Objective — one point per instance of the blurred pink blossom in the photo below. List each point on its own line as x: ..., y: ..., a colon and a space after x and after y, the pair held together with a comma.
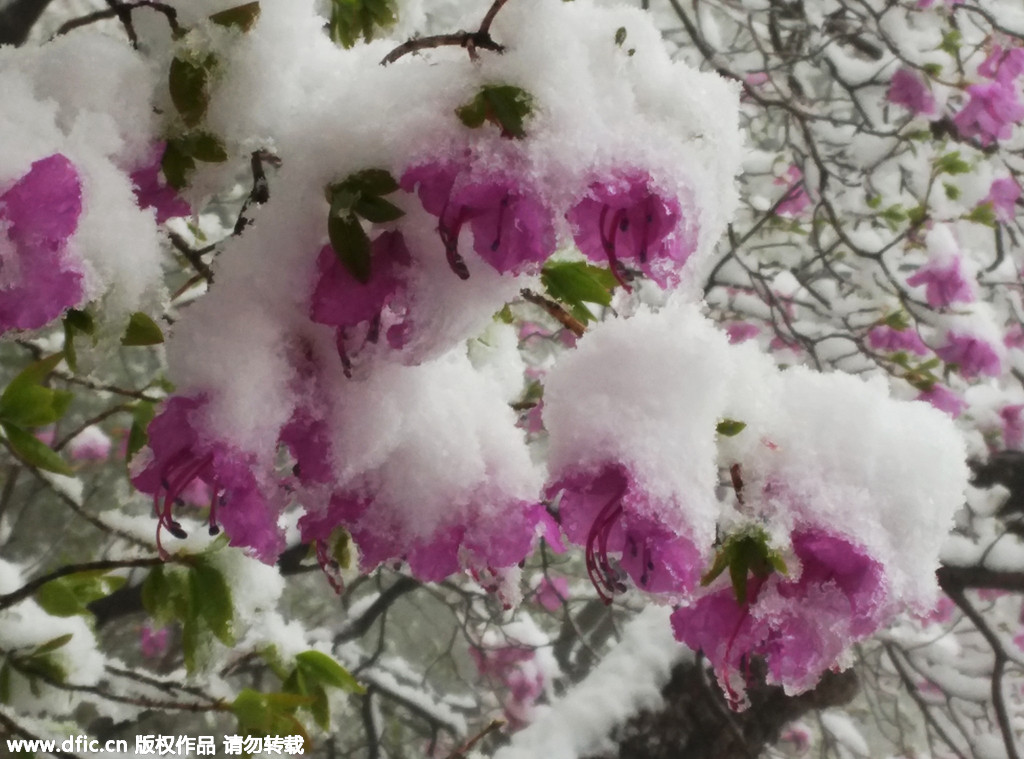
x: 944, y: 399
x: 990, y: 113
x: 1003, y: 195
x: 910, y: 92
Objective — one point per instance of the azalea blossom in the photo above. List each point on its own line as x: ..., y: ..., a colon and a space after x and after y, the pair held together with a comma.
x: 182, y: 451
x: 342, y: 301
x: 972, y: 355
x: 1003, y: 64
x: 1003, y: 195
x: 990, y: 113
x: 944, y: 283
x: 944, y: 399
x: 152, y: 191
x: 908, y: 90
x: 40, y: 277
x: 608, y: 512
x: 801, y: 624
x: 464, y: 540
x: 512, y: 227
x: 625, y: 218
x: 890, y: 340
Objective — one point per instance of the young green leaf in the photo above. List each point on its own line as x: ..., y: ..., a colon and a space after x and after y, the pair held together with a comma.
x: 322, y: 668
x: 503, y: 105
x: 142, y: 330
x: 351, y: 245
x: 187, y: 81
x: 730, y: 427
x: 575, y: 283
x: 142, y: 414
x: 34, y: 452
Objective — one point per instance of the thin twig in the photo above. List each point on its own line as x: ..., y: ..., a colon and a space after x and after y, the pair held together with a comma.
x: 471, y: 41
x: 118, y: 10
x: 26, y: 590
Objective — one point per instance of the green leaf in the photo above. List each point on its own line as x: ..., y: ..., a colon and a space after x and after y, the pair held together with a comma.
x: 320, y: 708
x: 377, y: 210
x: 503, y: 105
x: 575, y: 283
x: 898, y: 321
x: 177, y: 165
x: 203, y: 146
x: 951, y: 42
x: 722, y: 560
x: 142, y: 331
x: 738, y: 576
x: 620, y: 36
x: 240, y: 17
x: 730, y: 427
x: 269, y: 713
x: 81, y: 321
x: 211, y: 599
x: 53, y: 644
x: 33, y: 451
x: 951, y: 190
x: 983, y: 213
x: 187, y: 81
x: 352, y: 20
x: 369, y: 182
x: 932, y: 69
x: 58, y: 598
x: 322, y: 668
x: 142, y: 414
x: 351, y: 245
x: 952, y: 163
x: 874, y: 201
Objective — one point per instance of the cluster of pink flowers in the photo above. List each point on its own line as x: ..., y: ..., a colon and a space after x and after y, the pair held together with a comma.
x: 801, y: 624
x: 994, y: 106
x: 245, y: 503
x: 40, y: 275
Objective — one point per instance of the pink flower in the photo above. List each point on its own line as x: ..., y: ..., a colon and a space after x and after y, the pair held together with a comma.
x: 740, y: 332
x: 885, y: 338
x: 153, y: 643
x: 512, y: 227
x: 1014, y: 337
x: 1013, y: 426
x: 909, y: 91
x: 182, y: 452
x: 551, y: 594
x: 514, y: 668
x: 342, y: 301
x: 796, y: 199
x: 1003, y: 65
x: 801, y: 625
x: 1003, y: 195
x: 39, y: 280
x: 625, y: 218
x: 152, y: 192
x: 379, y: 530
x: 990, y: 113
x: 944, y: 284
x: 971, y: 354
x: 944, y: 399
x: 91, y: 444
x: 608, y: 512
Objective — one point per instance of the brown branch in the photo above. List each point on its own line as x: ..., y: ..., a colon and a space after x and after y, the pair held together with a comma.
x: 956, y: 593
x: 556, y: 311
x: 13, y: 728
x: 481, y: 38
x: 118, y: 11
x: 465, y: 748
x: 964, y: 578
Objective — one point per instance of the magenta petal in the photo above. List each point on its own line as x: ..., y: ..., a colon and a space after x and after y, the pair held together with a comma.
x: 340, y: 300
x: 625, y: 218
x: 38, y: 279
x: 151, y: 191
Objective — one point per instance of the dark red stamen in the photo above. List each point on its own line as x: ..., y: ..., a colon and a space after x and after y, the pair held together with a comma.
x: 450, y: 238
x: 599, y: 567
x: 505, y: 201
x: 608, y: 242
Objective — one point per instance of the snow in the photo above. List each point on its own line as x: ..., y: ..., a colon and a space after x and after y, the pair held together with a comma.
x: 628, y: 680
